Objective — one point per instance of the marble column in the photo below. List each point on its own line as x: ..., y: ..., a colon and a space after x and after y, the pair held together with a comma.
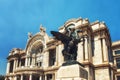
x: 15, y: 78
x: 26, y: 61
x: 16, y: 63
x: 56, y: 59
x: 21, y: 76
x: 45, y: 76
x: 8, y: 67
x: 40, y: 77
x: 14, y: 66
x: 10, y: 78
x: 30, y: 78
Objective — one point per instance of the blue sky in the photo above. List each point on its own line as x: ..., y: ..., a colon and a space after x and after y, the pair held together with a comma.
x: 18, y: 17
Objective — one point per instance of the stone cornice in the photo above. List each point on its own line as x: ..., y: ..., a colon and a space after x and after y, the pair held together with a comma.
x: 115, y: 44
x: 117, y: 72
x: 36, y: 69
x: 10, y: 74
x: 100, y: 30
x: 74, y: 21
x: 117, y: 56
x: 88, y: 63
x: 15, y: 56
x: 51, y: 68
x: 99, y: 65
x: 28, y: 69
x: 96, y: 22
x: 104, y: 65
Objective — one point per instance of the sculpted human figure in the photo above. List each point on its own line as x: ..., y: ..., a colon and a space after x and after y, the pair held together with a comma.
x: 70, y: 39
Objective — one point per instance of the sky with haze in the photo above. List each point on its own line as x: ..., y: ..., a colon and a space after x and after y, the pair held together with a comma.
x: 18, y: 17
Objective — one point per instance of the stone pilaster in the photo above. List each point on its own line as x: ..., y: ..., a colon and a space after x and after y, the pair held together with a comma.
x: 60, y: 56
x: 90, y: 49
x: 86, y: 49
x: 80, y: 53
x: 46, y: 59
x: 105, y: 50
x: 97, y: 58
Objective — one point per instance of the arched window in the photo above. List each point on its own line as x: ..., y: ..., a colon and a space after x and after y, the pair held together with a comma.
x: 37, y: 49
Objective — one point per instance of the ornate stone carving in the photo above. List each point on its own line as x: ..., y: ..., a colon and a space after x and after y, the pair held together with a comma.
x: 42, y: 30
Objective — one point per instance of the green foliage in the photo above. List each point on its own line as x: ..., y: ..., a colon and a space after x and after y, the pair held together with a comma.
x: 2, y: 77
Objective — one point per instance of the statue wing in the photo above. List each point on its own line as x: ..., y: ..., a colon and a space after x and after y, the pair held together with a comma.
x: 60, y: 36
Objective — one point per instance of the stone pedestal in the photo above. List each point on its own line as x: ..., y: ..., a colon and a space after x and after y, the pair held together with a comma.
x: 72, y: 72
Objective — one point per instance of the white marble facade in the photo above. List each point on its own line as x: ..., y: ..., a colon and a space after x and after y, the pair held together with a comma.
x: 42, y: 56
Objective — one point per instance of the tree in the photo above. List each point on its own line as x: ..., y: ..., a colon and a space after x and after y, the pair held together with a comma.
x: 2, y: 77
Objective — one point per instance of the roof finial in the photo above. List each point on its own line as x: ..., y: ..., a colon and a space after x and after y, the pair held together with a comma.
x: 29, y: 35
x: 42, y: 29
